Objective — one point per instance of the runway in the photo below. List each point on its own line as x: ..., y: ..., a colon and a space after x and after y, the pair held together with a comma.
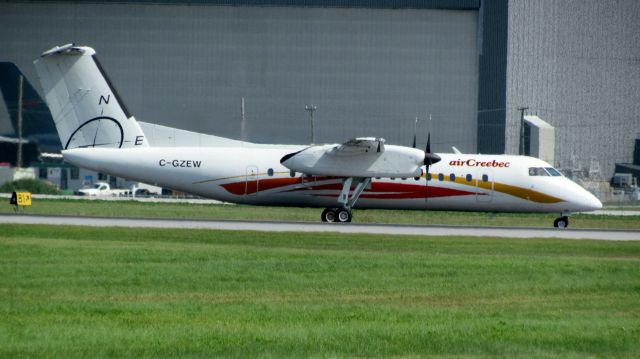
x: 389, y: 229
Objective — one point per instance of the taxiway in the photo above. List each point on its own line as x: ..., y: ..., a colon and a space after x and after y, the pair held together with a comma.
x: 389, y: 229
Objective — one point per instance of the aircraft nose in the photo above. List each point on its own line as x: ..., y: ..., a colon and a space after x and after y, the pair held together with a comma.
x: 588, y: 202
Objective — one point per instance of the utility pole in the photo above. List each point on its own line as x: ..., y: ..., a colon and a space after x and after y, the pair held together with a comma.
x: 521, y: 145
x: 19, y: 159
x: 312, y: 108
x: 243, y: 135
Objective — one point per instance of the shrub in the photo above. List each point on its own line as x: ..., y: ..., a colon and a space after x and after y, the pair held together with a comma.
x: 29, y: 185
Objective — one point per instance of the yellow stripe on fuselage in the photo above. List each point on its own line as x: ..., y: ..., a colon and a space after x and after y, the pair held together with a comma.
x: 523, y: 193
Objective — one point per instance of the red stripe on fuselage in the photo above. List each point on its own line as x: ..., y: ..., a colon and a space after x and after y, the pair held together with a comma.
x: 378, y: 190
x: 251, y: 187
x: 385, y: 190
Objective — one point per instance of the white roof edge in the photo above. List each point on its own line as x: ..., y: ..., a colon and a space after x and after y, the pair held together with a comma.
x: 537, y: 121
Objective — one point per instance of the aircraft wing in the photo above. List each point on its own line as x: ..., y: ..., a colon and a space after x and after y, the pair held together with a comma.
x: 359, y: 157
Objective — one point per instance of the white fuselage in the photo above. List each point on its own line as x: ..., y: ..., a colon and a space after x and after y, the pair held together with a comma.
x: 254, y: 175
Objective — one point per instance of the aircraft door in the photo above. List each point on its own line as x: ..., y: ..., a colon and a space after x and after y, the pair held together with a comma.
x: 484, y: 185
x: 251, y: 186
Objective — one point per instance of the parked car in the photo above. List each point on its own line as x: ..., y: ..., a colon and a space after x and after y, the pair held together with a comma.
x: 103, y: 189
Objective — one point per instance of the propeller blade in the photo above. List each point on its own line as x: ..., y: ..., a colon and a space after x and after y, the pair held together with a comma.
x: 415, y: 132
x: 429, y: 159
x: 426, y: 184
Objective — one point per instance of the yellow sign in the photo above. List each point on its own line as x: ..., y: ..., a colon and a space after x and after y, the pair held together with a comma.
x: 21, y: 199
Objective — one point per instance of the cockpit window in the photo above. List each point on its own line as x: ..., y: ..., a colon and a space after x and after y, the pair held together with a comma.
x: 552, y: 171
x: 537, y: 171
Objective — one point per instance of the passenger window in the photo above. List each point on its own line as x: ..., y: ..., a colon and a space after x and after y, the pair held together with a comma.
x: 452, y: 177
x: 468, y: 178
x: 440, y: 177
x: 292, y: 173
x: 485, y: 178
x: 416, y: 178
x: 270, y: 172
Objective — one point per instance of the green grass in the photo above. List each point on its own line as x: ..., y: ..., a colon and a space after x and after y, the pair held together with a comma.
x: 116, y: 292
x: 240, y: 212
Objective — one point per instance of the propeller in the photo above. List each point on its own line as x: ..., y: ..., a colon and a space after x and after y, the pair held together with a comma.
x: 429, y: 159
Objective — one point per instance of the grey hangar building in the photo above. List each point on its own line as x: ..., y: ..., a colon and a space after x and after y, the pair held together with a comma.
x: 463, y: 68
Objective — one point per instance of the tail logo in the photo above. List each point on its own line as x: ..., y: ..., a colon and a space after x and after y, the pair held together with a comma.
x: 100, y: 131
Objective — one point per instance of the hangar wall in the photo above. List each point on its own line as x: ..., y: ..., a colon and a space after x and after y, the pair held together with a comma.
x: 369, y: 71
x: 576, y: 64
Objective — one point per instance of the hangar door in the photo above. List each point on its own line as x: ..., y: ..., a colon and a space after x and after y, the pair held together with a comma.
x: 370, y: 72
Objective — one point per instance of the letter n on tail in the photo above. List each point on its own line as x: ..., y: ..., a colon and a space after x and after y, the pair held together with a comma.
x: 103, y: 99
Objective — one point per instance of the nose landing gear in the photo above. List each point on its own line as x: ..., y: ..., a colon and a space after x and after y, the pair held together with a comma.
x: 562, y: 221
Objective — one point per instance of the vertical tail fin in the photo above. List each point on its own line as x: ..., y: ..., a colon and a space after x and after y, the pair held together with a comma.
x: 86, y: 108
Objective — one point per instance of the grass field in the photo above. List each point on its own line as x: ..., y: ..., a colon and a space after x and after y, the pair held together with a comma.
x: 240, y: 212
x: 90, y: 292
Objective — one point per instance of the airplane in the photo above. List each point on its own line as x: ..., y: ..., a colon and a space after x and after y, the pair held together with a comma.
x: 98, y: 132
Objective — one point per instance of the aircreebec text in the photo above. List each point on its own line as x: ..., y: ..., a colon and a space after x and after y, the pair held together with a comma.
x: 476, y: 163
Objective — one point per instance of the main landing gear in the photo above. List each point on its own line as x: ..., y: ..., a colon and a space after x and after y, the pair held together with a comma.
x: 346, y: 200
x: 342, y: 215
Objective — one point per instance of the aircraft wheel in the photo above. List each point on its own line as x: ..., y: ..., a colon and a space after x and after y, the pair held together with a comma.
x: 329, y: 215
x: 561, y: 222
x: 344, y: 215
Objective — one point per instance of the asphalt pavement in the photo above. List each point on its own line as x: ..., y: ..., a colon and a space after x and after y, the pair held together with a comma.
x: 388, y: 229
